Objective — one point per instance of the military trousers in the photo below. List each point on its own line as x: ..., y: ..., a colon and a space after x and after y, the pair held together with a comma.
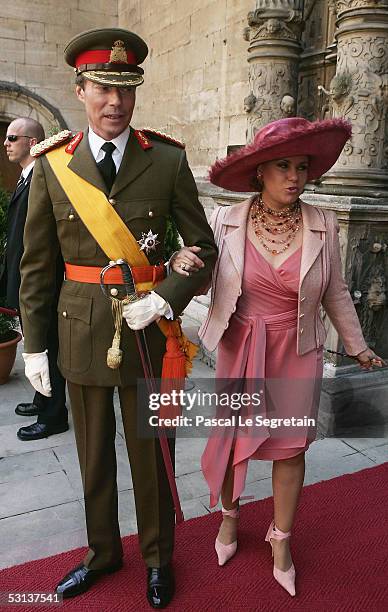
x: 95, y: 431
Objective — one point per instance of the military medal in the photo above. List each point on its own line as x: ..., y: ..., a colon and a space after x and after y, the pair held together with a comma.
x: 148, y: 241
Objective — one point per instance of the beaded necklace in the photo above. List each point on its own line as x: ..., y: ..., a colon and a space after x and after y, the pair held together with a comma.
x: 275, y: 222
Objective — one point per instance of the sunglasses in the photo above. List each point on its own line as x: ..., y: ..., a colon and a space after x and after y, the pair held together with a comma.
x: 13, y: 138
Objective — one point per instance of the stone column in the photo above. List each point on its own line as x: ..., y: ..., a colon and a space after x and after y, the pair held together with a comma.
x: 274, y: 32
x: 359, y: 92
x: 356, y: 188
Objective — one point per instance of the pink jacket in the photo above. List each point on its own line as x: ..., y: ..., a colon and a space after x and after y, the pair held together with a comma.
x: 321, y: 280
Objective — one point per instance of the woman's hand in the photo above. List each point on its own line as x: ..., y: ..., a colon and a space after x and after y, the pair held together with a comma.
x: 185, y: 261
x: 367, y: 359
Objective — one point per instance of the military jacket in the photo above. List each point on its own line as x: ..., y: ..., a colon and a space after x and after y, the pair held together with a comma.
x: 151, y: 184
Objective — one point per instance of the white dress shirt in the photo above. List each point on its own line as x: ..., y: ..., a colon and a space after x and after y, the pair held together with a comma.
x: 26, y: 171
x: 120, y: 142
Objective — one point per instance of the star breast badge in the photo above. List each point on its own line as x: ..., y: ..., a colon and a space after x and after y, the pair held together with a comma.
x: 148, y: 241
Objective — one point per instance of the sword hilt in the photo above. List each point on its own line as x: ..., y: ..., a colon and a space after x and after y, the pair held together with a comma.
x: 126, y: 272
x: 127, y: 277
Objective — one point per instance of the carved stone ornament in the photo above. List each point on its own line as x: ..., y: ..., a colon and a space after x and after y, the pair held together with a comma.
x: 273, y: 29
x: 340, y: 99
x: 346, y: 5
x: 273, y: 71
x: 279, y: 19
x: 359, y: 92
x: 288, y: 106
x: 294, y: 8
x: 369, y: 285
x: 249, y: 102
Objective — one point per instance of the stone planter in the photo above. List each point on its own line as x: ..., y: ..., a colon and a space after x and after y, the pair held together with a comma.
x: 8, y: 356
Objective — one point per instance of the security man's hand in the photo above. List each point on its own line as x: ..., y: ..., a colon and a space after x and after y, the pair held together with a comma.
x: 146, y: 310
x: 37, y: 372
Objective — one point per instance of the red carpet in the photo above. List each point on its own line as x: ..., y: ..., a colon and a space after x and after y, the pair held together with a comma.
x: 340, y: 550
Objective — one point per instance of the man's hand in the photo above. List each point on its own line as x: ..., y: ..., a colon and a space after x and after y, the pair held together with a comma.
x: 185, y: 261
x: 37, y: 372
x: 146, y: 310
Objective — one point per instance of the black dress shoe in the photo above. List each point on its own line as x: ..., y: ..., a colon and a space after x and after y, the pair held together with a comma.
x: 160, y: 586
x: 27, y: 410
x: 81, y: 578
x: 37, y: 431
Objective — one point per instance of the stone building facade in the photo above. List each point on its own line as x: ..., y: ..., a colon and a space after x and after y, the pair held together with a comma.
x: 196, y: 72
x: 34, y: 79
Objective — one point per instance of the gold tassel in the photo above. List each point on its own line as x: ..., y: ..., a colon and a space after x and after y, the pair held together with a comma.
x: 115, y: 354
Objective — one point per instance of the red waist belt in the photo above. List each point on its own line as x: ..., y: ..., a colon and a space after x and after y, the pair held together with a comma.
x: 91, y: 274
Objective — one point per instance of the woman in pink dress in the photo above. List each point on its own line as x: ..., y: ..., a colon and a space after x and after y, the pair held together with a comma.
x: 279, y: 261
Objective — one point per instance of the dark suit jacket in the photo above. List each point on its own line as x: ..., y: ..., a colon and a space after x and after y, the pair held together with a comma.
x: 17, y: 212
x: 150, y: 185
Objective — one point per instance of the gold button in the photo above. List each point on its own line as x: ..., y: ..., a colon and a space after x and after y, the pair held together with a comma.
x: 112, y: 201
x: 150, y: 213
x: 301, y: 315
x: 301, y: 330
x: 302, y: 299
x: 71, y: 217
x: 64, y: 314
x: 114, y: 291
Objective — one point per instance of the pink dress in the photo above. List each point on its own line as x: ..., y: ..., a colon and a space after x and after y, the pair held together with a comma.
x: 260, y: 343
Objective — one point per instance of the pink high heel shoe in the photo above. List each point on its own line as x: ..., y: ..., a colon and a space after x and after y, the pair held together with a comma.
x: 285, y: 579
x: 226, y: 551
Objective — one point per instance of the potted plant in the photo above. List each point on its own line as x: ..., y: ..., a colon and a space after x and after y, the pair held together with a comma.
x: 9, y: 337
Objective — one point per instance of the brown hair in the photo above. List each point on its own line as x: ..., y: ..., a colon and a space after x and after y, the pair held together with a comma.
x: 256, y: 184
x: 80, y: 80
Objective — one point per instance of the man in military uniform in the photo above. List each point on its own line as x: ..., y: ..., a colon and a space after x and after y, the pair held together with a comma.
x: 145, y: 178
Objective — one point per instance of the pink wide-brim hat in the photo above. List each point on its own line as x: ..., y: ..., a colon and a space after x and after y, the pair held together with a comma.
x: 321, y: 141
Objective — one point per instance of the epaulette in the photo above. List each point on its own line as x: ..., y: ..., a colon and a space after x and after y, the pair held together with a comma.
x: 50, y: 143
x: 164, y: 137
x: 74, y: 142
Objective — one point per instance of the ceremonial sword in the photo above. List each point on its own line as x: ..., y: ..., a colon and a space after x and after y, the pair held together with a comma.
x: 142, y: 345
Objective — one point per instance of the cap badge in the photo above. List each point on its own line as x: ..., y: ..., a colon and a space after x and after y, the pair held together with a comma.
x: 118, y: 55
x: 148, y: 241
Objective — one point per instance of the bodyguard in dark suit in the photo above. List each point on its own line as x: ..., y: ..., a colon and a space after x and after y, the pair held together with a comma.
x: 22, y: 134
x: 145, y: 179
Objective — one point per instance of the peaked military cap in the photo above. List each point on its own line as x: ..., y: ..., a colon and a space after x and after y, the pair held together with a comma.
x: 110, y: 56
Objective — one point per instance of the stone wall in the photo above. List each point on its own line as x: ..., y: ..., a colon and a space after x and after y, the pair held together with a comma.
x: 196, y: 75
x: 32, y: 37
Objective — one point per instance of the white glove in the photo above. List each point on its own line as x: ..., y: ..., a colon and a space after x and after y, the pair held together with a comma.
x: 37, y: 372
x: 143, y: 312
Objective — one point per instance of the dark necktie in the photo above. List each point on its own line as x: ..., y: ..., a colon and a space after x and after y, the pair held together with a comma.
x: 107, y: 166
x: 19, y: 184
